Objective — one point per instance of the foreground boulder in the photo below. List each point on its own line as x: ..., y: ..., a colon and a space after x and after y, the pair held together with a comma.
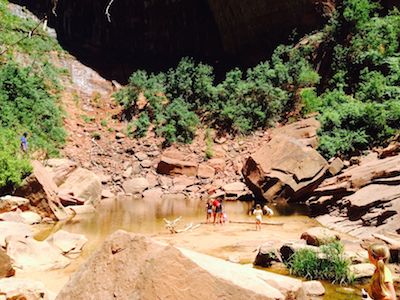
x: 284, y: 167
x: 129, y: 266
x: 41, y: 191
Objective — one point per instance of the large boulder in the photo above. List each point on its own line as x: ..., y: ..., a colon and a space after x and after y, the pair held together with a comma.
x: 23, y: 289
x: 129, y: 266
x: 171, y: 166
x: 284, y: 167
x: 84, y: 184
x: 41, y: 191
x: 29, y: 254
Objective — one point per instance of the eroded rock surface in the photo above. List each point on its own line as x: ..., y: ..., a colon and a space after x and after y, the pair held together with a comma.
x: 129, y: 266
x: 284, y: 168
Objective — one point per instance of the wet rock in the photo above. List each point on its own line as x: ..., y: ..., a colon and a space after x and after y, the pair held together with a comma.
x: 284, y: 168
x: 83, y: 184
x: 29, y: 254
x: 289, y: 248
x: 170, y: 166
x: 317, y: 236
x: 135, y: 185
x: 6, y: 268
x: 70, y: 244
x: 313, y: 288
x: 20, y: 289
x: 266, y: 255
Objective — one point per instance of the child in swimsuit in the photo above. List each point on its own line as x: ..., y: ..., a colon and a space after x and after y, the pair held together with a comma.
x: 209, y: 211
x: 258, y: 213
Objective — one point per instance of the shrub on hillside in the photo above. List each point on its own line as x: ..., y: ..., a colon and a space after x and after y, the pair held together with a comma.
x: 353, y: 126
x: 26, y: 105
x: 13, y: 165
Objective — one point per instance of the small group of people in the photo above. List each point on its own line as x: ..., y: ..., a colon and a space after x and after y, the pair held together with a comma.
x: 258, y: 213
x: 215, y: 209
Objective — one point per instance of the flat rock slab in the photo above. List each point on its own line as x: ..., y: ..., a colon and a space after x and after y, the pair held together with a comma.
x: 29, y: 254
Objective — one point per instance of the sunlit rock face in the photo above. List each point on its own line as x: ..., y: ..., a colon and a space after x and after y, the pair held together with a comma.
x: 154, y: 34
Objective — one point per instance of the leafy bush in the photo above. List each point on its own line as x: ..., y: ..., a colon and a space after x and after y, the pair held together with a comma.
x: 329, y: 264
x: 26, y: 105
x: 13, y: 165
x: 142, y: 125
x: 180, y: 123
x: 350, y: 127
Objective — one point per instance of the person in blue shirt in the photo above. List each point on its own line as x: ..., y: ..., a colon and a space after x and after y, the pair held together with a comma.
x: 24, y: 142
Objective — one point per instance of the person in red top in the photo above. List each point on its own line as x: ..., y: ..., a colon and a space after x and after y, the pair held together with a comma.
x: 217, y: 210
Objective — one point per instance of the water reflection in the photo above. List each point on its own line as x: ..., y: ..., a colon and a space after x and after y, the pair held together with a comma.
x: 145, y: 215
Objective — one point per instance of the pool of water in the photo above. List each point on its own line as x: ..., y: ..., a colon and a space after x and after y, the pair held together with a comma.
x: 146, y: 216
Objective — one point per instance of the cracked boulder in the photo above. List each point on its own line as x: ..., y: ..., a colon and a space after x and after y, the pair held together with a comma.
x: 284, y: 168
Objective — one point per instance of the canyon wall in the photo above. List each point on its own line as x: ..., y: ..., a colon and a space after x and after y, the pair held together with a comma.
x: 154, y: 34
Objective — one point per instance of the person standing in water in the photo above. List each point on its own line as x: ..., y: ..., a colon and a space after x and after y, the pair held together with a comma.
x: 381, y: 287
x: 258, y: 213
